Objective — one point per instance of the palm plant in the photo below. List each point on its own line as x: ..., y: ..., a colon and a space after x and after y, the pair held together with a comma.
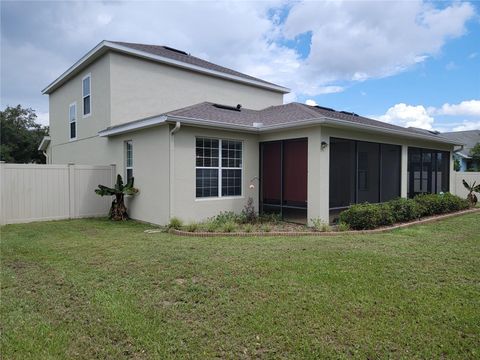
x: 471, y: 197
x: 118, y: 210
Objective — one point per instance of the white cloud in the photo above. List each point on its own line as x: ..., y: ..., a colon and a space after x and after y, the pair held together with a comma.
x: 311, y: 102
x: 468, y: 125
x: 359, y: 40
x: 408, y: 115
x: 465, y: 108
x: 428, y: 117
x: 351, y: 41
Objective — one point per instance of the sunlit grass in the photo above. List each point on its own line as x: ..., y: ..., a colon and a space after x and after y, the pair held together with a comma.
x: 97, y: 289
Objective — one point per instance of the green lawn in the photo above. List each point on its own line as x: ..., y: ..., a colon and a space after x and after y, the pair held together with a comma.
x: 96, y: 289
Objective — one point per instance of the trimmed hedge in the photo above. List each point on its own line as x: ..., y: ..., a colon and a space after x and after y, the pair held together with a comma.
x: 370, y: 216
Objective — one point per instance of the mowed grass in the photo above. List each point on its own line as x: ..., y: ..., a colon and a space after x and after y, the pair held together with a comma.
x: 96, y: 289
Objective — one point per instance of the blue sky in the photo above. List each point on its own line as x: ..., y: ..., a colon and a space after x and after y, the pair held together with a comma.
x: 413, y: 63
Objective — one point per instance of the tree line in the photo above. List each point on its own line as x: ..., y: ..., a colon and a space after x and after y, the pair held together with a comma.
x: 20, y: 136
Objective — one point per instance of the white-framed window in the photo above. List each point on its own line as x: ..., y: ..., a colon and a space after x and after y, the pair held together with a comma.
x: 218, y: 167
x: 128, y: 160
x: 72, y: 121
x: 86, y: 95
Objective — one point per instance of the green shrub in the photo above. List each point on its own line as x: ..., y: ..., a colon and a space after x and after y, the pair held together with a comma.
x: 192, y: 227
x: 266, y: 228
x: 451, y: 203
x: 435, y: 204
x: 229, y: 226
x: 226, y: 217
x: 175, y: 223
x: 211, y: 226
x: 343, y: 226
x: 405, y: 209
x: 367, y: 216
x: 430, y: 204
x: 248, y: 228
x: 320, y: 225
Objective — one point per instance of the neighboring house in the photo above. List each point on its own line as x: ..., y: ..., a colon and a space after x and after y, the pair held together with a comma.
x: 200, y: 139
x: 469, y: 139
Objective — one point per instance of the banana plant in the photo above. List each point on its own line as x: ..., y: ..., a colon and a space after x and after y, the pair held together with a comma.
x: 118, y: 210
x: 472, y: 189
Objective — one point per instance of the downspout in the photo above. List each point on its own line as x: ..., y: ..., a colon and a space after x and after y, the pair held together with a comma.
x: 172, y: 165
x: 46, y: 156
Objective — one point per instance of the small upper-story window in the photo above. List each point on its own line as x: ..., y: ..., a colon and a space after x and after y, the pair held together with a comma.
x: 128, y: 160
x: 72, y: 120
x: 86, y: 95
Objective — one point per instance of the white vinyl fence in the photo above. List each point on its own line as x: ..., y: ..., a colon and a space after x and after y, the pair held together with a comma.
x: 30, y: 192
x: 457, y: 186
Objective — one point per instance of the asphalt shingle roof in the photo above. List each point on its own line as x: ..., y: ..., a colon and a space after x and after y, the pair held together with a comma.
x: 287, y: 114
x: 181, y: 56
x: 468, y: 138
x: 282, y: 114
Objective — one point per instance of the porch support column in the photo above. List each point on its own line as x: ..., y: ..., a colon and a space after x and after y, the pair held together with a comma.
x: 404, y: 172
x: 323, y: 176
x: 317, y: 184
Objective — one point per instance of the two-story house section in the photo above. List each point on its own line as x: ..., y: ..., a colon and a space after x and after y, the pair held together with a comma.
x: 200, y: 139
x: 119, y: 82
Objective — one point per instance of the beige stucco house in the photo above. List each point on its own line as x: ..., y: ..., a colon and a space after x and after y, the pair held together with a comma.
x: 200, y: 139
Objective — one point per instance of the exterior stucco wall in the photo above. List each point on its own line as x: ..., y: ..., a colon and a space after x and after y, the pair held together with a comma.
x: 142, y: 88
x: 185, y: 205
x: 71, y: 91
x: 151, y: 173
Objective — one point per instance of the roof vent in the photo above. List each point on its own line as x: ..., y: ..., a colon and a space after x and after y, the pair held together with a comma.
x: 257, y: 124
x: 226, y: 107
x: 349, y: 113
x: 324, y: 108
x: 175, y: 50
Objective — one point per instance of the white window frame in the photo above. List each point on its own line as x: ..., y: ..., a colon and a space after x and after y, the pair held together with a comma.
x: 126, y: 142
x: 219, y: 168
x: 89, y: 76
x: 74, y: 104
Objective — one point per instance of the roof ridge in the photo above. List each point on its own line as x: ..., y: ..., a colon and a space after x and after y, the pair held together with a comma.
x: 306, y: 108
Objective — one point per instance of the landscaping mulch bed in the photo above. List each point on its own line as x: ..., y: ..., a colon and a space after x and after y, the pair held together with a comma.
x: 288, y: 229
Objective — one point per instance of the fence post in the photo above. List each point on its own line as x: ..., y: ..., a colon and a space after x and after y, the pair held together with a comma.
x: 71, y: 190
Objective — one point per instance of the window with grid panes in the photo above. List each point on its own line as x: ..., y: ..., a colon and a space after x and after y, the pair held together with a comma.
x: 218, y: 167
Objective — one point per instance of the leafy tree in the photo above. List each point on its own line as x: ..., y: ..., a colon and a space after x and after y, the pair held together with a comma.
x: 20, y: 136
x: 475, y: 153
x: 118, y: 210
x: 456, y: 165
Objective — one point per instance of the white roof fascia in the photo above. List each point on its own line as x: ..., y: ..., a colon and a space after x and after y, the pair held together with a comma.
x: 143, y: 54
x: 133, y: 126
